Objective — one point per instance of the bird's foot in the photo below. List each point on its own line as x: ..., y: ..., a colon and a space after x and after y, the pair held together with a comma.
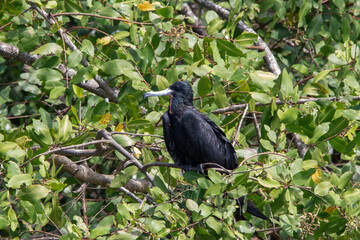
x: 186, y: 167
x: 200, y: 169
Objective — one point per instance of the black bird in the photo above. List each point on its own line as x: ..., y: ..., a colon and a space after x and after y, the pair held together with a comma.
x: 193, y: 139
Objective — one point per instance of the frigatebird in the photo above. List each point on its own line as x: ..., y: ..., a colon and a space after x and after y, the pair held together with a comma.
x: 193, y: 139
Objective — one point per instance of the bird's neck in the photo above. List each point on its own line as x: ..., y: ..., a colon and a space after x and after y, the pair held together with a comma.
x: 178, y: 105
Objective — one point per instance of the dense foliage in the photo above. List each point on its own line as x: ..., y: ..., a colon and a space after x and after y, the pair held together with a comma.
x: 78, y: 141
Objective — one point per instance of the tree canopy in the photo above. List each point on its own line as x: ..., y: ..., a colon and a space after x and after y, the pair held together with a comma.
x: 82, y: 152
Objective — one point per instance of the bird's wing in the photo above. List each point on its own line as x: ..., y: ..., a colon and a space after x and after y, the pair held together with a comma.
x: 168, y: 135
x: 207, y: 142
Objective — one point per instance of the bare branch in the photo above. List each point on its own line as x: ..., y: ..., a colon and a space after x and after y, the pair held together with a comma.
x: 300, y: 146
x: 235, y: 108
x: 197, y: 26
x: 61, y: 149
x: 81, y: 172
x: 257, y: 128
x: 9, y: 51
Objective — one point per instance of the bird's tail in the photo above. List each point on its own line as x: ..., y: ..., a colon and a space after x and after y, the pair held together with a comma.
x: 251, y: 208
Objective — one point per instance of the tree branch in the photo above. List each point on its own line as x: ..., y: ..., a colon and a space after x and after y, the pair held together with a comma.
x: 81, y: 172
x: 110, y: 93
x: 269, y: 57
x: 125, y: 153
x: 9, y: 51
x: 238, y: 107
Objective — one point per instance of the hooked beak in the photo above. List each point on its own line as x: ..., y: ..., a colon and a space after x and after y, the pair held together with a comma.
x: 167, y: 91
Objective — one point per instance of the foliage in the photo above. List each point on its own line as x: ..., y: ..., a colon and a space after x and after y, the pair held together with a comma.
x: 136, y: 46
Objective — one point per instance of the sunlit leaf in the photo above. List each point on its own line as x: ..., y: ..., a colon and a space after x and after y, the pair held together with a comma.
x: 145, y: 6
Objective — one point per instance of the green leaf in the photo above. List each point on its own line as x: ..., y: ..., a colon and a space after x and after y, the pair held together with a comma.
x: 315, y: 89
x: 286, y: 84
x: 351, y: 114
x: 140, y: 123
x: 64, y: 129
x: 345, y: 179
x: 335, y: 225
x: 161, y: 82
x: 123, y: 211
x: 202, y: 234
x: 220, y: 96
x: 48, y: 74
x: 214, y: 26
x: 123, y: 140
x: 56, y: 92
x: 261, y: 97
x: 340, y: 4
x: 87, y: 47
x: 267, y: 145
x: 301, y: 68
x: 204, y: 183
x: 215, y: 224
x: 319, y: 131
x: 4, y: 223
x: 79, y: 76
x: 115, y: 67
x: 315, y: 25
x: 17, y: 180
x: 229, y: 48
x: 247, y: 39
x: 7, y: 146
x: 180, y: 216
x: 48, y: 48
x: 352, y: 195
x: 323, y: 188
x: 33, y: 193
x: 269, y: 183
x: 263, y: 80
x: 13, y: 219
x: 197, y: 53
x: 304, y: 10
x: 98, y: 231
x: 204, y: 86
x: 321, y: 75
x: 289, y: 116
x: 335, y: 127
x: 166, y: 12
x: 43, y: 132
x: 244, y: 227
x: 192, y: 205
x: 77, y: 140
x: 74, y: 58
x: 221, y: 72
x: 301, y: 178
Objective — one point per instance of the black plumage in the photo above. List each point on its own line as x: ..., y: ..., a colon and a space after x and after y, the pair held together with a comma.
x: 193, y: 139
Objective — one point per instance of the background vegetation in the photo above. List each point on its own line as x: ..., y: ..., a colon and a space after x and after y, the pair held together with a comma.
x: 82, y: 153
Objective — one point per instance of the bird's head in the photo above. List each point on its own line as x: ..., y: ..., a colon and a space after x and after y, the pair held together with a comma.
x: 180, y: 93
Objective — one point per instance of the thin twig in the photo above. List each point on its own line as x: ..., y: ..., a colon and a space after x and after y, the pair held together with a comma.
x: 136, y: 134
x: 240, y: 123
x: 100, y: 16
x: 258, y: 133
x: 238, y: 107
x: 64, y: 148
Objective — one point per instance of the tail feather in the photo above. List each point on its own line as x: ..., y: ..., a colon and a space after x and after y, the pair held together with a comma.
x: 251, y: 208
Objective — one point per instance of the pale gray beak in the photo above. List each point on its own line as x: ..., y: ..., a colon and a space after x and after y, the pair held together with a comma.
x: 167, y: 91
